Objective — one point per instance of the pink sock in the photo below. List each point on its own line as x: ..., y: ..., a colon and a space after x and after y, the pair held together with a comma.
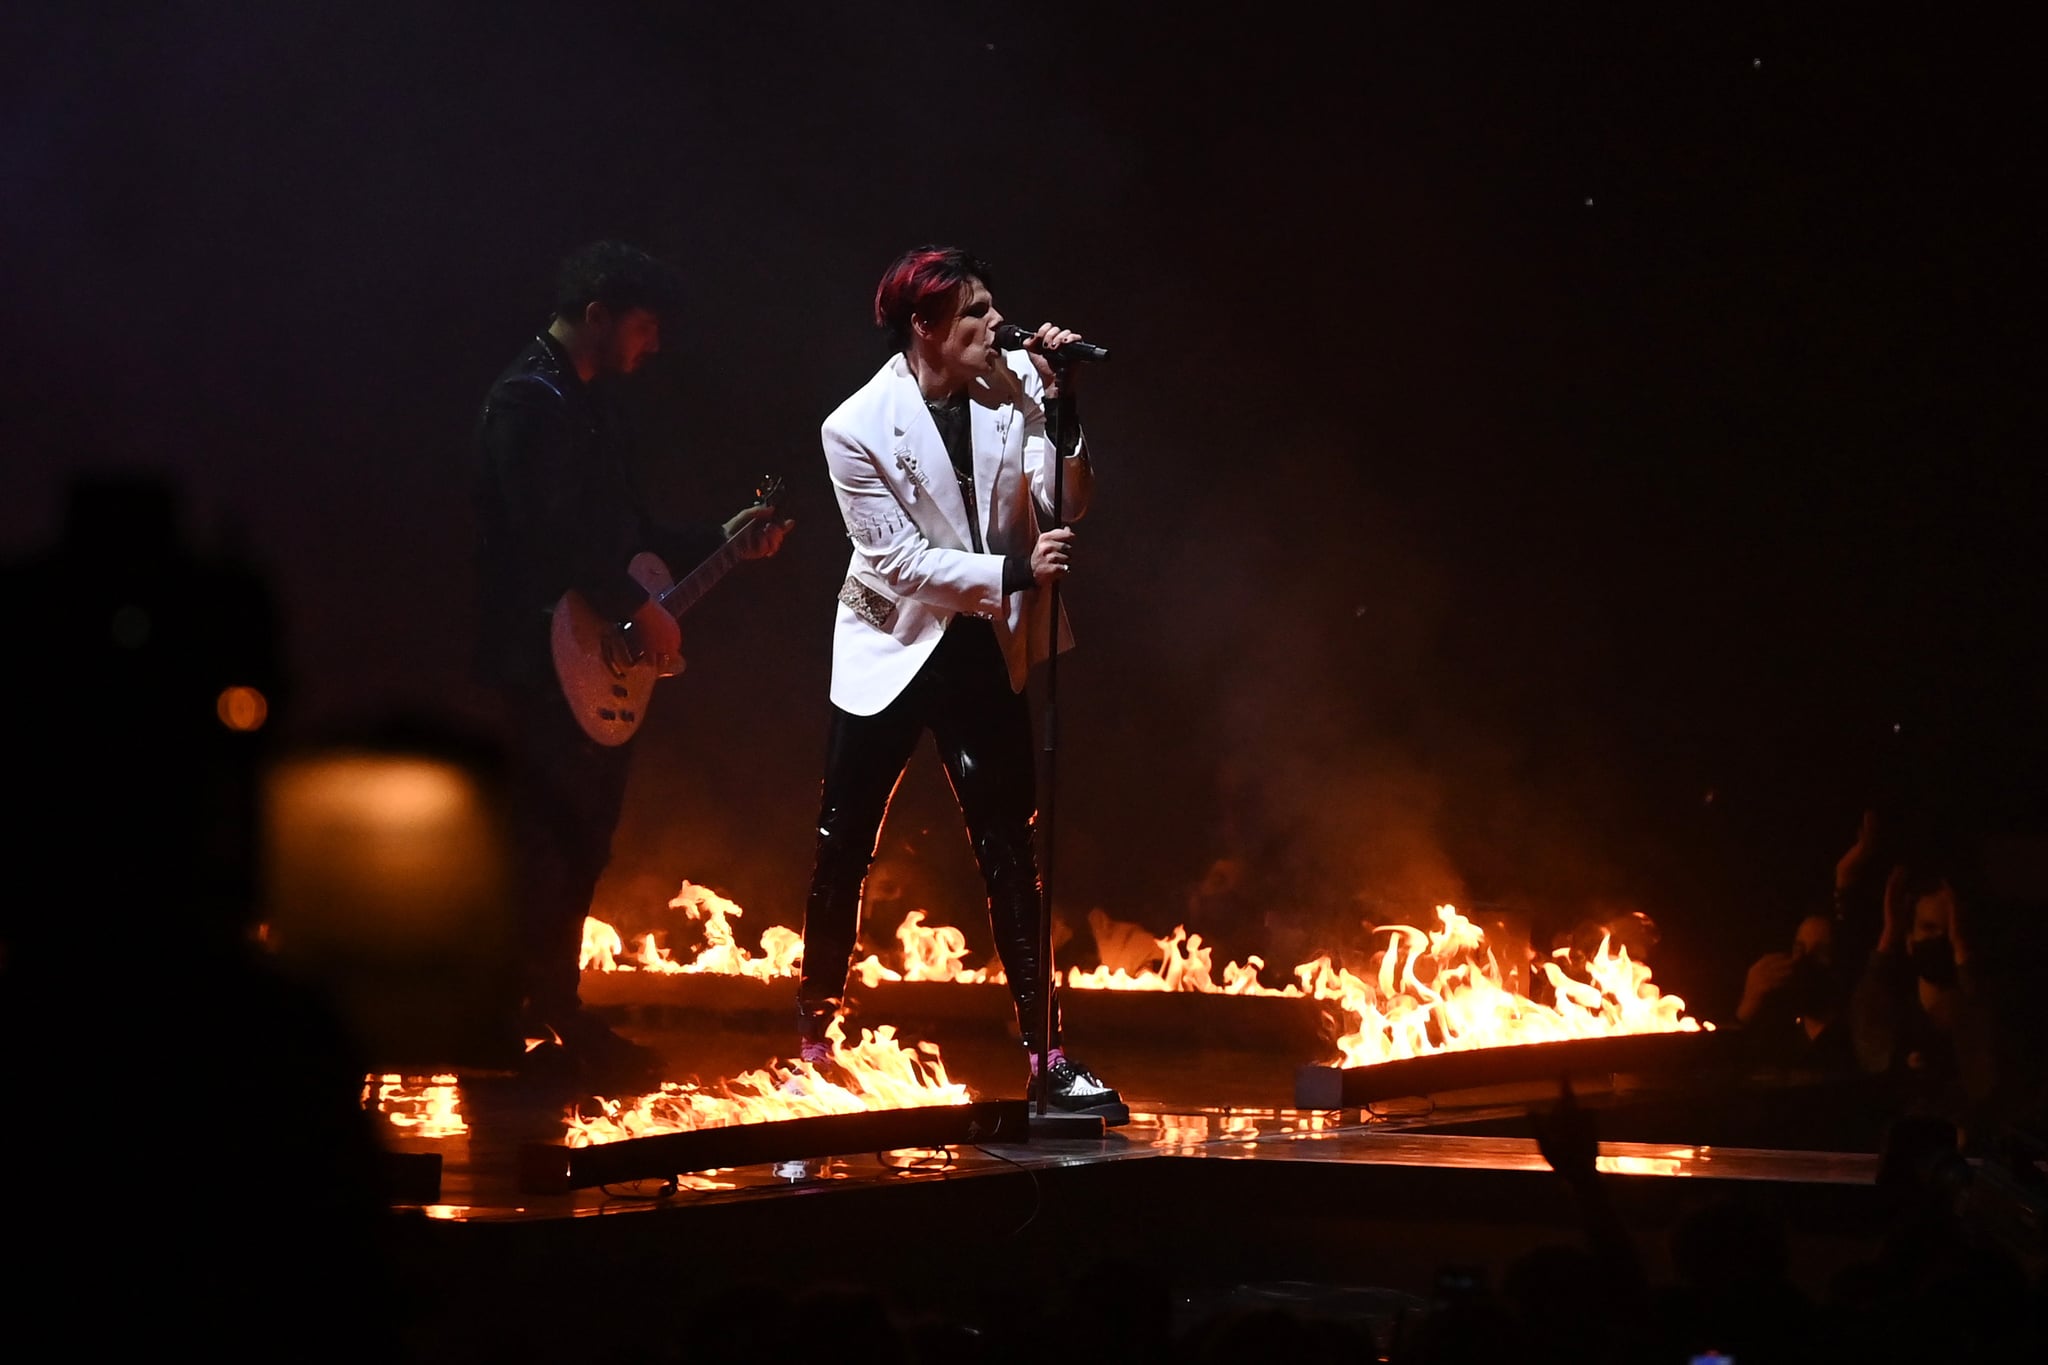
x: 1055, y: 1057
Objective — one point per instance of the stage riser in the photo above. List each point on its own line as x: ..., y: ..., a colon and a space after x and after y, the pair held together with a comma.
x: 1293, y: 1027
x: 555, y: 1169
x: 1665, y: 1056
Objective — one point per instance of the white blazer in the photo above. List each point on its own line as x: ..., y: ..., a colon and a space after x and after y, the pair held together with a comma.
x: 913, y: 567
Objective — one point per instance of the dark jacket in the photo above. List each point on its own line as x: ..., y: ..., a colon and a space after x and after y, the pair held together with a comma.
x: 556, y: 509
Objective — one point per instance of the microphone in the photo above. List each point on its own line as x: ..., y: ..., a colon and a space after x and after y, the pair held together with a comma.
x: 1011, y: 337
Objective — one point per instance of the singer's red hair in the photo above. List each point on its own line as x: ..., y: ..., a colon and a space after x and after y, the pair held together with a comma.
x: 917, y: 285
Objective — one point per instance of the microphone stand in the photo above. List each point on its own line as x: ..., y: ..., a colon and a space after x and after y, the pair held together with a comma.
x: 1054, y: 421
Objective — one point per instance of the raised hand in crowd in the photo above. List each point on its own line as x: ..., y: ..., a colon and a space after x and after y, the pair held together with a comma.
x: 1898, y: 911
x: 1952, y: 910
x: 1566, y: 1136
x: 1852, y: 862
x: 1768, y: 975
x: 1569, y: 1140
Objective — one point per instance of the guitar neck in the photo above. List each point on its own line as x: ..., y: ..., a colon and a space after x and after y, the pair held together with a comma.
x: 692, y: 586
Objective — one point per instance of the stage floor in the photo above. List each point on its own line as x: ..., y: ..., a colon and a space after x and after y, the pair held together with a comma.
x: 1198, y: 1101
x: 1217, y: 1199
x: 479, y: 1174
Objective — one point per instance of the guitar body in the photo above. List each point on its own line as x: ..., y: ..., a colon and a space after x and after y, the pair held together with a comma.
x: 607, y: 690
x: 607, y: 693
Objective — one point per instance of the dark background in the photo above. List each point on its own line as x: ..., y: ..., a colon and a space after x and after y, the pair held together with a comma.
x: 1569, y: 461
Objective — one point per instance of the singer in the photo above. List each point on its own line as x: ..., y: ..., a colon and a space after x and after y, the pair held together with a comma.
x: 943, y: 472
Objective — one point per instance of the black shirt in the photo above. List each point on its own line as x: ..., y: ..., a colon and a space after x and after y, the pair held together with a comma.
x: 956, y: 431
x: 949, y: 415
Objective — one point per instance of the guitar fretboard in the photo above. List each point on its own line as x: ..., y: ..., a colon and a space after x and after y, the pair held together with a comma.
x: 684, y: 594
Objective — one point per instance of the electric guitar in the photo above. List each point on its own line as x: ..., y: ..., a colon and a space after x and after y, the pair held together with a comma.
x: 605, y: 676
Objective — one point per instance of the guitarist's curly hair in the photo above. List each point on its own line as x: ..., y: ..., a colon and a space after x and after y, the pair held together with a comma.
x: 619, y: 276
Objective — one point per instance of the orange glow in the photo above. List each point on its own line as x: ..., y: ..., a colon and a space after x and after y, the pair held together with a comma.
x: 393, y: 792
x: 882, y: 1074
x: 242, y: 709
x: 385, y: 848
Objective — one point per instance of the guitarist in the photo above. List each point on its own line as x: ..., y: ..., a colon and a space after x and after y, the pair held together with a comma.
x: 556, y: 510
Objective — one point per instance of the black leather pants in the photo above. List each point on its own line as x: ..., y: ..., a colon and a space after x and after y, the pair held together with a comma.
x: 983, y: 731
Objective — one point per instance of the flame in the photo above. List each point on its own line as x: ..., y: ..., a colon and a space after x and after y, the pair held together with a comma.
x: 927, y: 952
x: 1443, y: 992
x: 1427, y: 991
x: 1183, y: 1130
x: 1185, y: 966
x: 875, y: 1073
x: 427, y: 1108
x: 930, y: 953
x: 1236, y: 1127
x: 781, y: 948
x: 601, y: 948
x: 1677, y: 1161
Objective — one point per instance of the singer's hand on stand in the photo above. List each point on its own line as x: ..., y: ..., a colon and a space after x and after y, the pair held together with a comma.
x: 1052, y: 556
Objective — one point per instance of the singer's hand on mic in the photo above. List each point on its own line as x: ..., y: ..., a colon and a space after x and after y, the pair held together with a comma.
x: 1045, y: 341
x: 1053, y: 556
